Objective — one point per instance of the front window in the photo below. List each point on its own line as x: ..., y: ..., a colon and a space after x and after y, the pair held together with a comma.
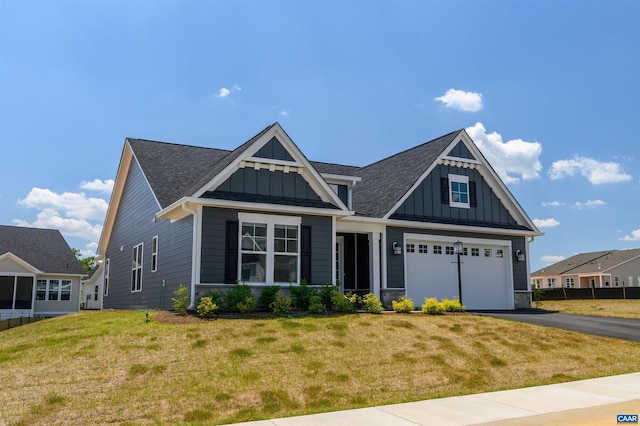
x: 269, y: 249
x: 459, y: 191
x: 136, y: 268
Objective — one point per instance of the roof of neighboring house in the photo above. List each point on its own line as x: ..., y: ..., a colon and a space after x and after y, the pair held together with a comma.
x: 385, y: 182
x: 593, y: 262
x: 44, y: 249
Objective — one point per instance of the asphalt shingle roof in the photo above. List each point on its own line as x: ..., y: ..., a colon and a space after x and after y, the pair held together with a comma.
x: 44, y: 249
x: 174, y: 171
x: 592, y: 262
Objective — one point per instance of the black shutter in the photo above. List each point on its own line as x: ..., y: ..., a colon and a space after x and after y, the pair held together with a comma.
x: 305, y: 254
x: 473, y: 200
x: 231, y: 252
x: 444, y: 190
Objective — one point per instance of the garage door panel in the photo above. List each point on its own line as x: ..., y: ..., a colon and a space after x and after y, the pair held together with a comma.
x: 433, y: 273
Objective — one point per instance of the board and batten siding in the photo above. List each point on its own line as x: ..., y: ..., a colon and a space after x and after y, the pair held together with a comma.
x: 267, y: 183
x: 395, y: 264
x: 134, y: 224
x: 425, y: 201
x: 212, y: 267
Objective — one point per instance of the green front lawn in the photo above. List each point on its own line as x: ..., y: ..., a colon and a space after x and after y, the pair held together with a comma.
x: 112, y: 367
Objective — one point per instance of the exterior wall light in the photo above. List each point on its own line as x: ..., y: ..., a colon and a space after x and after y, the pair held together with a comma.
x: 519, y: 256
x: 397, y: 248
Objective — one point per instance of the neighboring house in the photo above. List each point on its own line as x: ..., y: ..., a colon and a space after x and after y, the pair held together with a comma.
x: 92, y: 289
x: 263, y: 214
x: 39, y: 274
x: 598, y: 269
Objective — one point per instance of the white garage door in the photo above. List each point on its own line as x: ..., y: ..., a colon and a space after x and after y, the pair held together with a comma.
x: 432, y: 271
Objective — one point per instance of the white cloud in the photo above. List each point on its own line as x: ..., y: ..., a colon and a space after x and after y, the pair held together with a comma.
x: 551, y: 259
x: 68, y: 226
x: 589, y: 204
x: 546, y: 223
x: 224, y: 92
x: 284, y: 113
x: 512, y: 160
x: 552, y: 203
x: 597, y: 172
x: 73, y: 214
x: 98, y: 185
x: 72, y: 204
x: 634, y: 236
x: 461, y: 100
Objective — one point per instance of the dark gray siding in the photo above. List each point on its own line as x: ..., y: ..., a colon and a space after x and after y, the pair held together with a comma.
x: 425, y: 201
x: 461, y: 151
x: 213, y: 245
x: 264, y: 182
x: 134, y: 225
x: 274, y: 149
x: 395, y: 264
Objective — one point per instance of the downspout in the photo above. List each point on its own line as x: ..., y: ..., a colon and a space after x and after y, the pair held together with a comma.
x: 194, y: 252
x: 529, y: 241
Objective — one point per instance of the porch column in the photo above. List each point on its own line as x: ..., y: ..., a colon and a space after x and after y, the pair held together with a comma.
x: 374, y: 255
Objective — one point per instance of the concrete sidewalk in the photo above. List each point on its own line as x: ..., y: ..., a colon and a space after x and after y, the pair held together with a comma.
x: 585, y: 402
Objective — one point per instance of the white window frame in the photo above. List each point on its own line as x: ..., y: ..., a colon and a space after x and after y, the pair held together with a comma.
x: 570, y: 282
x: 48, y: 291
x: 136, y: 268
x: 106, y: 277
x: 154, y: 254
x: 271, y: 221
x: 459, y: 179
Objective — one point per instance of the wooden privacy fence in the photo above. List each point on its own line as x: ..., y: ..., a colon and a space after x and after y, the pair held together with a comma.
x: 591, y: 293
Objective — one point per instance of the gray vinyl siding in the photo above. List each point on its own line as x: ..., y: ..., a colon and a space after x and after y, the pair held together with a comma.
x: 425, y: 201
x: 56, y: 307
x: 214, y: 238
x: 264, y: 182
x: 395, y: 263
x: 274, y: 150
x: 134, y: 225
x: 461, y: 151
x: 626, y: 270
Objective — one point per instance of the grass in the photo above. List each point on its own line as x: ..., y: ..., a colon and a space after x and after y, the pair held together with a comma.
x: 111, y: 367
x: 620, y: 308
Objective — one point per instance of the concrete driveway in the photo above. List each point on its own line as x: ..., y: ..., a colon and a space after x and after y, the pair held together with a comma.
x: 620, y: 328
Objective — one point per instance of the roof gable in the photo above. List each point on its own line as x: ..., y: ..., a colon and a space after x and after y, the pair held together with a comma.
x: 44, y: 250
x: 274, y: 150
x: 460, y: 150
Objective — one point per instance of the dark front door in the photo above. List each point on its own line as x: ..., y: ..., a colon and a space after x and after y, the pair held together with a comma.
x: 356, y: 263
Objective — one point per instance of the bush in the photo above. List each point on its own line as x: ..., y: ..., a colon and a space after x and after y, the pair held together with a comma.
x: 236, y: 296
x: 246, y: 305
x: 403, y: 305
x: 301, y: 295
x: 266, y: 297
x: 181, y: 300
x: 326, y: 294
x: 432, y: 306
x: 316, y: 306
x: 371, y: 303
x: 452, y: 305
x: 281, y: 305
x: 343, y: 302
x: 207, y: 308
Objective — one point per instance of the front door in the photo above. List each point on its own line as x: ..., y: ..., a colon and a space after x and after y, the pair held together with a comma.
x: 355, y: 263
x: 340, y: 261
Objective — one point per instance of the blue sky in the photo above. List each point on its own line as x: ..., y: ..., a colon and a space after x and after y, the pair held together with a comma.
x: 550, y: 91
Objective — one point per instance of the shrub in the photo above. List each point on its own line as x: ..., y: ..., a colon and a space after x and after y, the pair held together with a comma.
x: 316, y: 306
x: 266, y: 297
x: 301, y: 295
x: 281, y: 305
x: 371, y: 303
x: 246, y: 305
x: 181, y: 300
x: 234, y: 296
x: 343, y: 302
x: 206, y: 308
x: 326, y: 294
x: 432, y: 306
x: 452, y: 305
x: 403, y: 305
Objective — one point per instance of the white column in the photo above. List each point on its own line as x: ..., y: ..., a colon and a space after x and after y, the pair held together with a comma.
x: 374, y: 255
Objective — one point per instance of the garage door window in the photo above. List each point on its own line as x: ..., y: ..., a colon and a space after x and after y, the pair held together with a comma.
x: 411, y: 248
x: 437, y: 249
x: 449, y: 250
x: 423, y: 248
x: 475, y: 252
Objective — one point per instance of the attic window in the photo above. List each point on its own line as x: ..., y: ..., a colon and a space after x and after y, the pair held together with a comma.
x: 459, y: 191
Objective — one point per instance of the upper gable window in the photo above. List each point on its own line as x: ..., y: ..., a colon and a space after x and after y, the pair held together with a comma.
x: 459, y: 191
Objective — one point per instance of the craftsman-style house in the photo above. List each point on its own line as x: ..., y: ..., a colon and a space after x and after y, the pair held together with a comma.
x: 264, y: 214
